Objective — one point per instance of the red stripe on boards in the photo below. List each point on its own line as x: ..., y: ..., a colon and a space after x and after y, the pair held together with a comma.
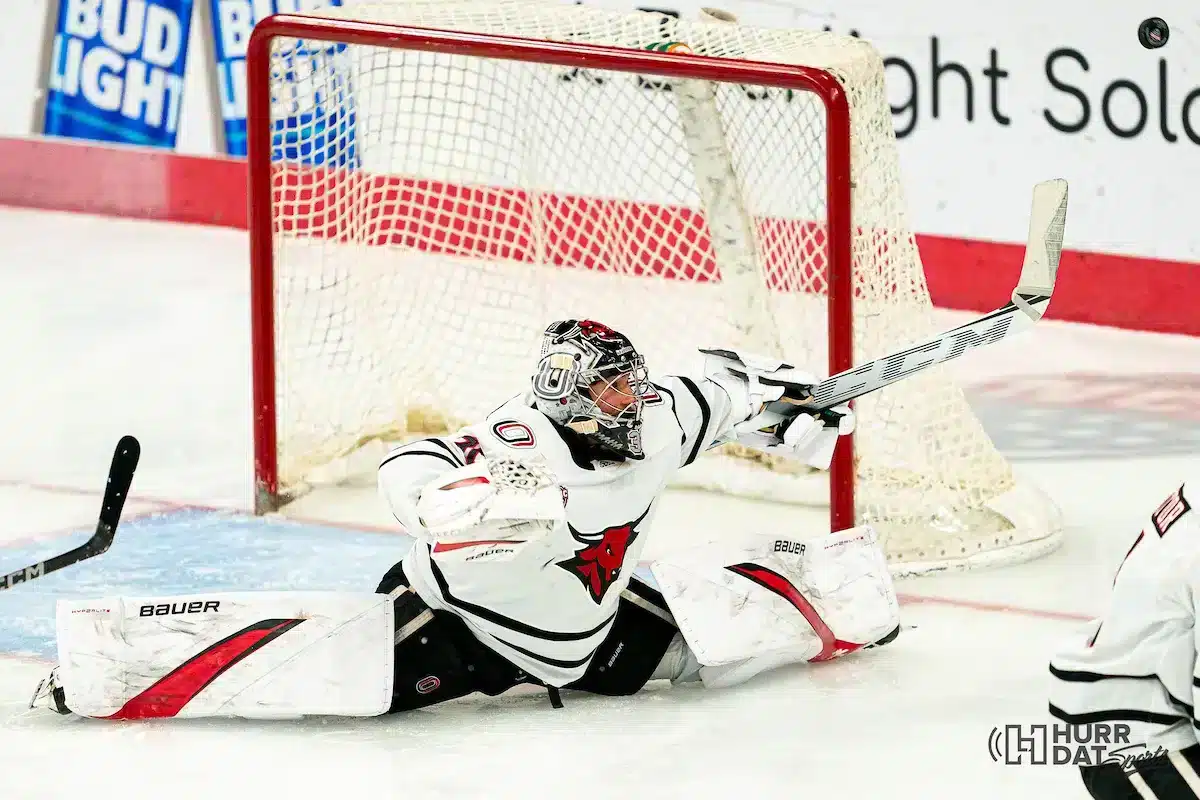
x: 1130, y: 292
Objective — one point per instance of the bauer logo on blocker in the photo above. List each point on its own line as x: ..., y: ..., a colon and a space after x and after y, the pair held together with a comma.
x: 116, y: 70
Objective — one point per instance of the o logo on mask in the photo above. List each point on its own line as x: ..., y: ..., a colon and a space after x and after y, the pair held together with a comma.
x: 513, y: 433
x: 555, y: 377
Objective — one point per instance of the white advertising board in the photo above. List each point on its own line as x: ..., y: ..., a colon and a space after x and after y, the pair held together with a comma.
x: 989, y: 99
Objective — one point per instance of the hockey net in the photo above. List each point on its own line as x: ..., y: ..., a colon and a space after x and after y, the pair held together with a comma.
x: 422, y: 206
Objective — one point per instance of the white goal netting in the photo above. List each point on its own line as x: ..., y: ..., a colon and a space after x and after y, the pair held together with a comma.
x: 432, y: 212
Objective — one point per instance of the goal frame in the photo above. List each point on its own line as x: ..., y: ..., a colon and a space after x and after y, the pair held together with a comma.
x: 839, y: 220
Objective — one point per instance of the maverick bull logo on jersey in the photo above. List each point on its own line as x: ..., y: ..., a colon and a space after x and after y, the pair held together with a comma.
x: 599, y: 562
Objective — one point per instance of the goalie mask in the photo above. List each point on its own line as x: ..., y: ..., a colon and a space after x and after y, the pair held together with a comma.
x: 591, y: 379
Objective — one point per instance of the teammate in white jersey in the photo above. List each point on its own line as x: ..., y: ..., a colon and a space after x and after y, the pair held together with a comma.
x: 1136, y: 666
x: 528, y: 526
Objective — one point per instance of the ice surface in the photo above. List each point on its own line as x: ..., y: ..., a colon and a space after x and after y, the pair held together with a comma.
x: 110, y: 327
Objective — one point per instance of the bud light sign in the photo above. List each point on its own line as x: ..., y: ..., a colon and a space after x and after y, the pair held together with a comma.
x: 312, y: 113
x: 116, y: 70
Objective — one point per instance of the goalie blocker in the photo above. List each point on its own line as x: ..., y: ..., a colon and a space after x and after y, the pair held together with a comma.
x: 291, y: 654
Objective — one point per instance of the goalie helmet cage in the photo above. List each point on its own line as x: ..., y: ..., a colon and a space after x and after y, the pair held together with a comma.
x: 432, y: 182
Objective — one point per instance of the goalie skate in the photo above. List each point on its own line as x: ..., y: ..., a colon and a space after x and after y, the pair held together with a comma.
x: 49, y: 694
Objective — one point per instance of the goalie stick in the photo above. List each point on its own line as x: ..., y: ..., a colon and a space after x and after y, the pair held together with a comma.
x: 1030, y: 299
x: 120, y: 477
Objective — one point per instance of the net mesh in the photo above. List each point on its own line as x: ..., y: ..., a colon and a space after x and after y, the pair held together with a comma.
x: 432, y: 212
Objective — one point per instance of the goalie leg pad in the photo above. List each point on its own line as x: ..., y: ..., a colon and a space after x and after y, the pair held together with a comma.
x: 262, y: 655
x: 780, y: 602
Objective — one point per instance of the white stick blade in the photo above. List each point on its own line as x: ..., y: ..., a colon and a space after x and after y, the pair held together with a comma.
x: 1047, y: 224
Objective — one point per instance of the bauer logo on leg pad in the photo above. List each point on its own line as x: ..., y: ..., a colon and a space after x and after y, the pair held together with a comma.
x: 785, y: 546
x: 191, y: 607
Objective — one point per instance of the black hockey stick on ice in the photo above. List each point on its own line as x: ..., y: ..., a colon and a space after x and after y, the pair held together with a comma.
x: 1030, y: 299
x: 120, y: 477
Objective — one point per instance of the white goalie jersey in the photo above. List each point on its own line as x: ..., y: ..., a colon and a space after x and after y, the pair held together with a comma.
x: 1136, y: 664
x: 547, y: 604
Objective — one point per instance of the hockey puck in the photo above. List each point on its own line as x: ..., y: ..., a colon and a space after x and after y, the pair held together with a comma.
x: 1153, y: 33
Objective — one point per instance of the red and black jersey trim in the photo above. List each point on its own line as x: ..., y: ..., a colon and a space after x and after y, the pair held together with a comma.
x: 167, y: 696
x: 1116, y: 715
x: 451, y: 451
x: 1170, y: 512
x: 670, y: 394
x: 511, y: 624
x: 427, y: 453
x: 1083, y: 676
x: 705, y: 417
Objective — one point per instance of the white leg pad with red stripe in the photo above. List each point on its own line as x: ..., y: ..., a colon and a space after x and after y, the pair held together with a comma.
x: 783, y: 601
x: 260, y: 655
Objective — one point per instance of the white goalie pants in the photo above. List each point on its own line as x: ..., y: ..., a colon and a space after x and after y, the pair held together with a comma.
x: 780, y: 602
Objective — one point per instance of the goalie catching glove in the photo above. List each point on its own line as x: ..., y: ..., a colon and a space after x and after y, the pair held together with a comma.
x: 505, y: 502
x: 777, y: 428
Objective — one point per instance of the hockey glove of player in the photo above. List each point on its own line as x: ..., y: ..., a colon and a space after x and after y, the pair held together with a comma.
x: 777, y: 428
x: 810, y: 439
